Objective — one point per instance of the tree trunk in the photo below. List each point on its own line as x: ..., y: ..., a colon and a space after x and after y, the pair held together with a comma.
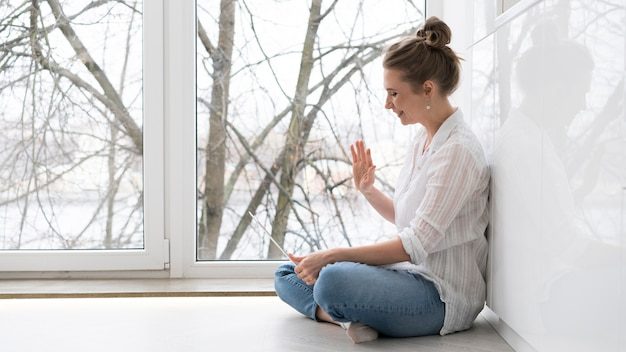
x: 294, y: 144
x: 108, y: 236
x: 213, y: 204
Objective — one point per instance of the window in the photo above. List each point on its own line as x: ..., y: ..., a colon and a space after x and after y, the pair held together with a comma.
x: 504, y: 5
x: 100, y: 158
x: 75, y: 143
x: 280, y: 97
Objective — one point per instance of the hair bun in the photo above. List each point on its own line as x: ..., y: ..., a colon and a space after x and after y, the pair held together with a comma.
x: 435, y: 33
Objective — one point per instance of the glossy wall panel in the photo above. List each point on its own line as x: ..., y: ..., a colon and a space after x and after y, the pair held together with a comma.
x: 559, y: 171
x: 483, y: 74
x: 516, y: 187
x: 622, y: 308
x: 482, y: 117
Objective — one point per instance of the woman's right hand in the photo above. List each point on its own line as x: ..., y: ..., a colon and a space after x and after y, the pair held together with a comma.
x: 362, y: 167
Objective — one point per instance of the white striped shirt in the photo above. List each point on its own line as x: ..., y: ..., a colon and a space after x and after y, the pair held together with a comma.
x: 441, y: 214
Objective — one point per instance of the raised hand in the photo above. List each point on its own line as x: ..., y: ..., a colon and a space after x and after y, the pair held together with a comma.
x: 363, y: 168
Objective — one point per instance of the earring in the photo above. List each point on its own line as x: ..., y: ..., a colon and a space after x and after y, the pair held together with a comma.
x: 427, y: 107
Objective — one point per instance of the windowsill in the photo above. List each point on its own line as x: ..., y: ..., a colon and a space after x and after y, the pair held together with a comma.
x: 82, y: 288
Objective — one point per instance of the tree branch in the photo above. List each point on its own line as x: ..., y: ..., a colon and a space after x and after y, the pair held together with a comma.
x: 118, y: 108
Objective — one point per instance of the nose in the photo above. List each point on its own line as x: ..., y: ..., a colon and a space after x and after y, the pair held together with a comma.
x: 388, y: 103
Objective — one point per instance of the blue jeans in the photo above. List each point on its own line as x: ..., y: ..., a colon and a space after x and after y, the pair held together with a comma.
x: 394, y: 303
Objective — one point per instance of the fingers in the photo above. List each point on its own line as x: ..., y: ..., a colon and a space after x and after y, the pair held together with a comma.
x: 308, y: 279
x: 361, y: 146
x: 294, y: 259
x: 370, y: 171
x: 369, y: 158
x: 301, y: 273
x: 360, y: 153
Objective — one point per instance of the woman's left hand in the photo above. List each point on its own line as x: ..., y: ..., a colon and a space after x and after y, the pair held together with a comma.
x: 308, y: 267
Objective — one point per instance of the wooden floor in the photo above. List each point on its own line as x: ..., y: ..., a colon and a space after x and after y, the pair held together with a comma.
x: 189, y: 324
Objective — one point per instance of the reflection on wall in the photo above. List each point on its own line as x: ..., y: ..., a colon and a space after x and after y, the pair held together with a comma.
x: 559, y: 166
x: 482, y: 119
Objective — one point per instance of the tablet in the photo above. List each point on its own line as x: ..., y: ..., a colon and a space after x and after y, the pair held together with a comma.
x: 268, y: 234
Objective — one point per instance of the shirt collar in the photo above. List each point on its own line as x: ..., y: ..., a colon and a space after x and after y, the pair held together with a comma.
x: 444, y: 130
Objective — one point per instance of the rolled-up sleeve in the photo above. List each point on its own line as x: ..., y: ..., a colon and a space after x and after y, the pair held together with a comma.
x: 453, y: 176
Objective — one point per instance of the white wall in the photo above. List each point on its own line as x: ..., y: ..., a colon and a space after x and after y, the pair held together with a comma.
x: 557, y: 142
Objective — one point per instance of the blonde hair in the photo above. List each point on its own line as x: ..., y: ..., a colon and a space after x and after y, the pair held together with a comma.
x: 426, y: 56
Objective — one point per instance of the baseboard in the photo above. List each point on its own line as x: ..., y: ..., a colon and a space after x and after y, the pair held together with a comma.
x: 506, y: 332
x: 75, y: 288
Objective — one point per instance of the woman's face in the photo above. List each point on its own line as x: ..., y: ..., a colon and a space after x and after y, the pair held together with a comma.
x: 408, y: 105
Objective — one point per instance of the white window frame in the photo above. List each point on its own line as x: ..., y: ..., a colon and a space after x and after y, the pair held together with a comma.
x: 507, y: 13
x: 181, y: 153
x: 154, y: 255
x: 169, y: 170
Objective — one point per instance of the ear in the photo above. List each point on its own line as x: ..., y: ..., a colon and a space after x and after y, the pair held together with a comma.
x: 428, y: 86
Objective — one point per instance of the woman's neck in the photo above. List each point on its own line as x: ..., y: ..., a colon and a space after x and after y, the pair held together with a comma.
x: 439, y: 113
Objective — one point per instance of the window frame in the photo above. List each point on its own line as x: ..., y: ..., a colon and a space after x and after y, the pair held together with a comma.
x: 170, y: 163
x: 181, y: 154
x: 154, y: 255
x: 506, y: 13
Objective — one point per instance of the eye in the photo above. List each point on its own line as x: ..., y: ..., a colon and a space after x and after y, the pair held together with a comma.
x: 393, y: 94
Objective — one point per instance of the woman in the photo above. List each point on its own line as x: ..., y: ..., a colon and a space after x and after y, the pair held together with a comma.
x: 429, y: 279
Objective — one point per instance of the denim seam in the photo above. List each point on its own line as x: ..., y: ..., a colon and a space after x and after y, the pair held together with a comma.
x: 297, y: 283
x: 430, y: 307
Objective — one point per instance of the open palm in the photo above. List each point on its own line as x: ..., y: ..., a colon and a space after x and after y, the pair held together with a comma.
x: 363, y: 168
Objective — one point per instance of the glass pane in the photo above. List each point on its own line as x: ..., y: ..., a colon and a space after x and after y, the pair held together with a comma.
x: 274, y: 133
x: 71, y: 125
x: 507, y: 4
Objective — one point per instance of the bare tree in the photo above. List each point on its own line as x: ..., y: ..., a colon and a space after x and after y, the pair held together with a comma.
x: 213, y: 204
x: 298, y: 129
x: 279, y: 190
x: 72, y: 122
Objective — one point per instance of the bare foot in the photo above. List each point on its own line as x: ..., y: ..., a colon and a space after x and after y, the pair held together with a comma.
x: 320, y: 314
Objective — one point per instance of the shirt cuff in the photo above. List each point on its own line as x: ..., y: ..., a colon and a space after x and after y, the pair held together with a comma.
x: 412, y: 246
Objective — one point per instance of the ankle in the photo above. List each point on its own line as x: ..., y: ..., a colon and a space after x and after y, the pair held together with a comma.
x: 360, y: 333
x: 321, y: 315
